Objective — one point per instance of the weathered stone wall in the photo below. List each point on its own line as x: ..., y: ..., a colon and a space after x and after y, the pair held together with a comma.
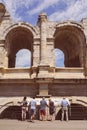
x: 67, y: 36
x: 43, y: 78
x: 18, y: 89
x: 68, y: 89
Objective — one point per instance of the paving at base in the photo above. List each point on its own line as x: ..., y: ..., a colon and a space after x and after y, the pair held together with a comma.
x: 43, y: 125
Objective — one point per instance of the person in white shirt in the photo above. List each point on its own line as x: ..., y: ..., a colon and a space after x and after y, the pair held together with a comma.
x: 32, y: 106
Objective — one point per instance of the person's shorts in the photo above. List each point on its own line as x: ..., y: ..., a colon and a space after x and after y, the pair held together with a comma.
x: 43, y: 112
x: 64, y: 109
x: 33, y: 112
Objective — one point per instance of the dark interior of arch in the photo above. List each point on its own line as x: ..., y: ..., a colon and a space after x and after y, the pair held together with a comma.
x: 76, y: 112
x: 14, y: 112
x: 17, y: 39
x: 11, y: 112
x: 69, y: 40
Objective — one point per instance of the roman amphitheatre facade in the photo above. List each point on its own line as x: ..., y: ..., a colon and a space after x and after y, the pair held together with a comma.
x: 43, y: 78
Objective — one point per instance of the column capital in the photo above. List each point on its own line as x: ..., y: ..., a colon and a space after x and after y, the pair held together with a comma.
x: 42, y: 17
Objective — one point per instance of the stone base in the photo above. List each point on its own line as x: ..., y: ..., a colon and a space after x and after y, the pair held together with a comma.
x: 46, y: 96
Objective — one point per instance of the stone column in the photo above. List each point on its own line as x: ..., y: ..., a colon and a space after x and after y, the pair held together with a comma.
x: 50, y: 52
x: 85, y: 62
x: 43, y: 38
x: 6, y: 60
x: 36, y: 52
x: 42, y: 23
x: 84, y: 23
x: 3, y: 55
x: 81, y: 56
x: 43, y: 89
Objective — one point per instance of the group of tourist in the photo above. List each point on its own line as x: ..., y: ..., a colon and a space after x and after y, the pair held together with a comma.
x: 32, y: 105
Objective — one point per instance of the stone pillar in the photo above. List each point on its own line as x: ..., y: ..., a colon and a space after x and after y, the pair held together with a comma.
x: 36, y: 52
x: 42, y: 21
x: 43, y: 71
x: 84, y: 23
x: 81, y: 56
x: 3, y: 55
x: 43, y: 89
x: 6, y: 60
x: 85, y: 62
x: 50, y: 52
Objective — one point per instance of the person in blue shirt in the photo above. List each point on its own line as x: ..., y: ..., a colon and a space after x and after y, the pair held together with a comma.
x: 32, y: 106
x: 43, y: 105
x: 65, y: 104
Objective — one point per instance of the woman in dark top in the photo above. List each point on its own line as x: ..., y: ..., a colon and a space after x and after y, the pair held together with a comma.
x: 51, y: 109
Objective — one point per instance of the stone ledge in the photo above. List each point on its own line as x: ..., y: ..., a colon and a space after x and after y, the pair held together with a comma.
x: 46, y: 96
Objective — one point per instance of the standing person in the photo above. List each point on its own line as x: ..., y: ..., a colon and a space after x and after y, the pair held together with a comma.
x: 51, y: 109
x: 32, y: 106
x: 24, y: 108
x: 65, y: 104
x: 43, y: 105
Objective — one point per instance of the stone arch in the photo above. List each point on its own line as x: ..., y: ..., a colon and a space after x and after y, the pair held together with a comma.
x: 77, y: 110
x: 28, y: 26
x: 11, y: 112
x: 18, y: 37
x: 69, y: 37
x: 14, y: 112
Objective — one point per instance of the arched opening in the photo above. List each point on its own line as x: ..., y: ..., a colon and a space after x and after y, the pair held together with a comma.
x: 59, y: 58
x: 17, y: 39
x: 11, y: 112
x: 76, y: 112
x: 70, y: 40
x: 14, y: 112
x: 23, y: 58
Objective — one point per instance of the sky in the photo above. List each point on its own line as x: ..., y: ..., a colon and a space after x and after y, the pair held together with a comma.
x: 56, y: 10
